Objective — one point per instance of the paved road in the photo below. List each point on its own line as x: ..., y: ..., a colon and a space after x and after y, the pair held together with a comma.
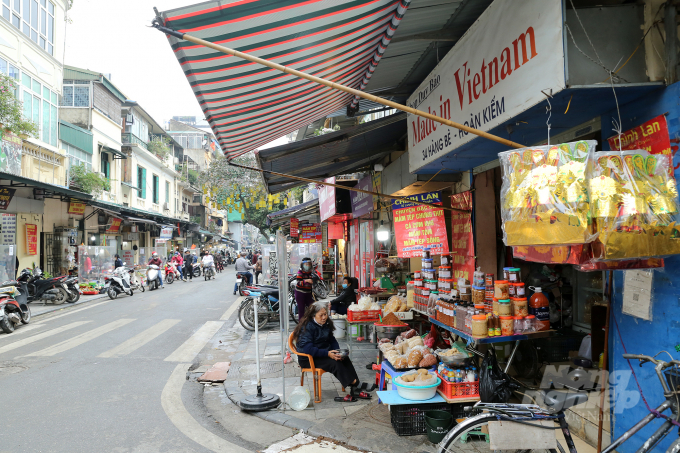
x: 110, y: 375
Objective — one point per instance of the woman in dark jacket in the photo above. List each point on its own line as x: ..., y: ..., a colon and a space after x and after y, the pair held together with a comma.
x: 346, y: 298
x: 314, y: 336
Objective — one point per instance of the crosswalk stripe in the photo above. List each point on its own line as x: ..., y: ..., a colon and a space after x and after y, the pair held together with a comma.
x: 80, y: 339
x: 72, y: 312
x: 140, y: 339
x: 232, y: 309
x: 20, y: 330
x: 40, y: 336
x: 195, y: 343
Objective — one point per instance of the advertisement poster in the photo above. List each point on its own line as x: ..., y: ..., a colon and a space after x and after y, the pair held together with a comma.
x: 652, y: 136
x: 128, y: 256
x: 8, y: 229
x: 336, y: 231
x: 166, y: 233
x: 6, y: 195
x: 10, y: 154
x: 310, y: 233
x: 362, y: 203
x: 417, y: 226
x: 115, y: 225
x: 76, y: 208
x: 462, y: 244
x: 500, y: 67
x: 327, y: 206
x: 31, y: 239
x: 294, y: 227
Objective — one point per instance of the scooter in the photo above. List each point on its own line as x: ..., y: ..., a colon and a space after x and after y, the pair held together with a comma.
x: 209, y: 272
x: 13, y: 305
x: 38, y: 288
x: 123, y: 280
x: 73, y: 289
x: 319, y: 287
x: 197, y: 269
x: 171, y: 272
x: 153, y: 277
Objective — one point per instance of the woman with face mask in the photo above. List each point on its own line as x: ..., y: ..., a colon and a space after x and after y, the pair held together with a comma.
x: 303, y: 288
x: 345, y: 298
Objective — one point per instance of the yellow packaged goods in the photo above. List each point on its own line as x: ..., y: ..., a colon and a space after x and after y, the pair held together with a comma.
x: 414, y: 357
x: 415, y: 341
x: 393, y: 305
x: 544, y: 197
x: 634, y: 198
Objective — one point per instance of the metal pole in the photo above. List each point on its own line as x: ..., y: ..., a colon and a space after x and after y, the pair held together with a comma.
x: 283, y: 305
x: 603, y: 381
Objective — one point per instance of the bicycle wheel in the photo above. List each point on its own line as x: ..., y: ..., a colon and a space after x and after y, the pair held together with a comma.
x: 469, y: 436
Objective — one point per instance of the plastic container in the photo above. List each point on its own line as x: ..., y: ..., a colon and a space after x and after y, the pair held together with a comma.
x: 506, y: 273
x: 488, y: 280
x: 478, y: 277
x: 426, y: 254
x: 514, y: 274
x: 529, y: 322
x: 438, y: 424
x: 445, y: 283
x: 418, y: 282
x: 340, y: 328
x: 478, y: 294
x: 504, y: 307
x: 409, y: 419
x: 540, y: 308
x: 444, y: 271
x: 501, y: 290
x: 511, y: 290
x: 489, y: 292
x: 427, y: 263
x: 446, y: 260
x: 479, y: 327
x: 507, y: 325
x: 585, y: 351
x: 520, y: 306
x: 518, y: 328
x: 299, y: 398
x: 432, y: 302
x: 428, y: 274
x: 416, y: 275
x: 417, y: 393
x: 519, y: 290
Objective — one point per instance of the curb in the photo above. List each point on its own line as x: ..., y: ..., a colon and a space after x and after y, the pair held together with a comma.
x: 67, y: 305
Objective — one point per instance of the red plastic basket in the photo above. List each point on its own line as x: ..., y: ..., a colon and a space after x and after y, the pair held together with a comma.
x: 453, y: 390
x: 364, y: 315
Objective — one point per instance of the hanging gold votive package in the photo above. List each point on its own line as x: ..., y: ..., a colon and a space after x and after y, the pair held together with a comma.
x: 545, y: 195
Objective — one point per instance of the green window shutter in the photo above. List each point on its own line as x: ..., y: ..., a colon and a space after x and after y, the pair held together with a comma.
x: 156, y: 189
x: 143, y: 183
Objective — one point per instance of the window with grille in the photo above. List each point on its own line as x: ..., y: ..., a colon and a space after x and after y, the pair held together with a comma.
x: 76, y: 93
x: 40, y: 106
x: 35, y: 18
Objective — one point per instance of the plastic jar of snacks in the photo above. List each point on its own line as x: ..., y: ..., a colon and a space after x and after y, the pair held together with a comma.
x: 514, y: 274
x: 418, y: 282
x: 507, y: 325
x: 530, y: 324
x: 445, y: 284
x: 416, y: 275
x: 518, y: 328
x: 478, y: 294
x: 520, y: 307
x: 432, y: 302
x: 519, y: 289
x: 504, y: 307
x: 488, y: 280
x: 479, y: 328
x: 444, y: 271
x: 506, y: 273
x: 501, y: 290
x: 426, y: 254
x: 446, y: 260
x: 428, y: 274
x: 511, y: 290
x: 427, y: 263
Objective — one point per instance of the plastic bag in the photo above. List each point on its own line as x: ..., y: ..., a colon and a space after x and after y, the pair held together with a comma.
x: 428, y: 379
x: 494, y: 385
x: 544, y: 197
x: 365, y: 303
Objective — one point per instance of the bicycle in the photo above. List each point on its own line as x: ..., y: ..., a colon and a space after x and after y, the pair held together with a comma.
x: 472, y: 434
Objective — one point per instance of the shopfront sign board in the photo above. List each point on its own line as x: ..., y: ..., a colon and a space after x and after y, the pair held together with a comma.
x: 651, y: 136
x: 6, y: 195
x: 8, y: 229
x: 166, y: 233
x: 462, y: 243
x: 76, y: 208
x: 310, y: 233
x: 362, y: 203
x: 31, y: 239
x: 418, y: 226
x: 294, y: 227
x: 128, y: 257
x: 495, y: 71
x: 327, y: 206
x: 114, y: 227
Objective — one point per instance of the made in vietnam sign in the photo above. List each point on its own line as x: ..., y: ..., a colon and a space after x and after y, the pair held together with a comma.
x: 497, y: 70
x: 418, y: 226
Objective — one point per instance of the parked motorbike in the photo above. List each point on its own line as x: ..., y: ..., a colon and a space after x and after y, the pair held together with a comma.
x: 73, y: 289
x: 153, y: 277
x: 197, y: 269
x: 14, y: 307
x: 53, y: 289
x: 123, y: 280
x: 171, y: 272
x: 266, y: 298
x: 319, y: 287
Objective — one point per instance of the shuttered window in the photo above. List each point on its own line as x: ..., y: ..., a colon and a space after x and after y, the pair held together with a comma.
x: 155, y: 189
x: 141, y: 182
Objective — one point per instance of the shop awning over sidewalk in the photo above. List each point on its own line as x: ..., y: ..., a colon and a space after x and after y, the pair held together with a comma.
x: 47, y: 190
x: 280, y: 217
x: 248, y: 105
x: 333, y: 154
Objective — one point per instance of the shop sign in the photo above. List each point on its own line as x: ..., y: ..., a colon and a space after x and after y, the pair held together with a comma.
x: 417, y: 226
x: 310, y: 233
x: 128, y: 257
x: 294, y: 227
x: 31, y: 239
x: 462, y: 243
x: 327, y: 206
x: 115, y: 225
x: 76, y: 208
x: 8, y: 229
x: 10, y: 154
x: 6, y: 195
x: 336, y: 231
x: 495, y: 71
x: 362, y: 203
x: 651, y: 136
x: 166, y: 233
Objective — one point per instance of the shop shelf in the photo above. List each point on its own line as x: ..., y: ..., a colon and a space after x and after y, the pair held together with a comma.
x: 463, y: 390
x: 363, y: 315
x: 409, y: 419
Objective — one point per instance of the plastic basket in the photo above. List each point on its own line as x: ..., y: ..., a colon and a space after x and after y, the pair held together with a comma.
x: 409, y: 419
x: 453, y: 390
x: 459, y: 413
x: 557, y: 348
x: 363, y: 315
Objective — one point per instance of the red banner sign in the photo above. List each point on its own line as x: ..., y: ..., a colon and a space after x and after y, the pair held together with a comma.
x: 115, y: 225
x: 310, y: 233
x: 651, y: 136
x: 336, y: 231
x: 462, y: 243
x: 31, y: 239
x: 417, y: 226
x: 294, y: 227
x: 76, y: 208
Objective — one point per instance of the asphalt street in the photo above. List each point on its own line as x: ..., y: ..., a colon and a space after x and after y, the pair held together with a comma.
x: 110, y: 375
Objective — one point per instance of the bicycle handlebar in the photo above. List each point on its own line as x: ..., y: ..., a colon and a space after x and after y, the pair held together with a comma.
x: 646, y: 358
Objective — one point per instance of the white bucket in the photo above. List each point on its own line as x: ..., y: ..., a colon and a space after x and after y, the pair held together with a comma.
x: 340, y: 328
x: 299, y: 398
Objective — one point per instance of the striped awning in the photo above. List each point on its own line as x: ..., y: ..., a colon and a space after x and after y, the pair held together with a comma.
x: 249, y: 105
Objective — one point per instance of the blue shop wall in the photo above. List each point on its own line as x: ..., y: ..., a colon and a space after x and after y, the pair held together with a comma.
x: 639, y: 336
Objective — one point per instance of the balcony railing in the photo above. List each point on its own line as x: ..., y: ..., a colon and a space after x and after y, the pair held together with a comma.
x: 131, y: 139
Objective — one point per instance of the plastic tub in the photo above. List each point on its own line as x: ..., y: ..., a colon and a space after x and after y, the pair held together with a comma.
x: 413, y: 393
x: 340, y: 328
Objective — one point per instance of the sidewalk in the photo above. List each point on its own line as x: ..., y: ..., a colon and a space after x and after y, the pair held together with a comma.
x: 38, y: 308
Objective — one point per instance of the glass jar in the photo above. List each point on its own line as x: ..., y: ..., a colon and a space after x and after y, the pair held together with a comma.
x: 416, y: 275
x: 507, y: 325
x: 479, y: 327
x: 418, y: 282
x: 504, y: 307
x: 520, y: 307
x: 489, y: 292
x: 519, y: 290
x: 427, y: 263
x: 511, y: 290
x: 426, y: 254
x: 518, y: 328
x: 490, y: 332
x: 446, y: 260
x: 444, y: 271
x: 478, y: 294
x: 514, y: 275
x: 501, y: 290
x: 506, y: 273
x: 488, y: 280
x: 530, y: 324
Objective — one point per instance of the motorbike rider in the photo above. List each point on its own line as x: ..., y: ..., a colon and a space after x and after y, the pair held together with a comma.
x: 242, y: 267
x: 188, y: 268
x: 156, y: 260
x: 179, y: 262
x: 208, y: 261
x: 118, y: 263
x: 303, y: 289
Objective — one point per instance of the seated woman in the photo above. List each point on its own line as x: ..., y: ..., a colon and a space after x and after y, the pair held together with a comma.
x: 346, y: 298
x: 314, y: 336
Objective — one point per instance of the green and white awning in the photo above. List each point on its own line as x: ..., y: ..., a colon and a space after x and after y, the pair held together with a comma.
x: 248, y: 105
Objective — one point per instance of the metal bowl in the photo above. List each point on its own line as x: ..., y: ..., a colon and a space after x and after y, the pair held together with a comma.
x: 390, y: 332
x: 456, y: 361
x: 343, y: 352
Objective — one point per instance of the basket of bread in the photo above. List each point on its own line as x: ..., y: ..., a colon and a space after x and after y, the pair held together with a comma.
x: 417, y: 385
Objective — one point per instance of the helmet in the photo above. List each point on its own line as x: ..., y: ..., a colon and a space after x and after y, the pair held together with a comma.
x: 154, y: 255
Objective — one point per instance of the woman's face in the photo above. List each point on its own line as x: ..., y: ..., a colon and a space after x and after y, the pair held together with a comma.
x: 321, y: 316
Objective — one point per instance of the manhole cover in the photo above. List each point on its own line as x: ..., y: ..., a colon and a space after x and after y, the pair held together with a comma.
x: 8, y: 369
x: 265, y: 368
x: 380, y: 413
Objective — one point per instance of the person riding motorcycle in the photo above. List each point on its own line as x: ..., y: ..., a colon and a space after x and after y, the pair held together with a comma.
x: 179, y: 263
x: 208, y: 261
x: 155, y: 260
x: 242, y: 267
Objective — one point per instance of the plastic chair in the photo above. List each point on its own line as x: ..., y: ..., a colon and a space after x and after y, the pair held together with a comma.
x: 316, y: 372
